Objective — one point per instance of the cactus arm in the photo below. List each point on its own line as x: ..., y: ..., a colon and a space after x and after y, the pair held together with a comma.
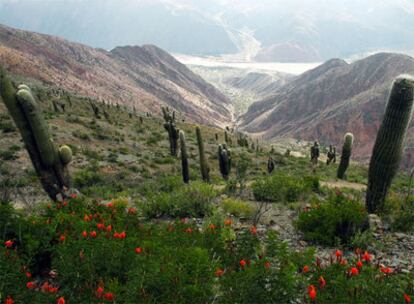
x: 184, y: 158
x: 346, y: 155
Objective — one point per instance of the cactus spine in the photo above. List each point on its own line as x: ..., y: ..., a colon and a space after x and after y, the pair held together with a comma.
x: 386, y: 154
x: 224, y: 157
x: 170, y: 127
x: 49, y: 162
x: 184, y: 158
x: 205, y: 170
x: 346, y: 155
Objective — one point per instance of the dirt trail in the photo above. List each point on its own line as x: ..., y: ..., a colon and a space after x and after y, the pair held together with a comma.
x: 344, y: 184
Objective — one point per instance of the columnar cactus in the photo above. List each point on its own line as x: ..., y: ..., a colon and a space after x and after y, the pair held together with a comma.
x: 331, y: 155
x: 173, y: 132
x: 270, y: 165
x: 386, y: 154
x: 205, y: 170
x: 49, y: 162
x: 226, y: 137
x: 224, y: 157
x: 346, y: 155
x: 184, y: 158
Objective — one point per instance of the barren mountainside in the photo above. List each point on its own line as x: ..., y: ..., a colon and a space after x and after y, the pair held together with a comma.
x: 332, y: 99
x: 145, y: 77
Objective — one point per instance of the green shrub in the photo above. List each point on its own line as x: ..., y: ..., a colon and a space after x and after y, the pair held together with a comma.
x: 237, y: 208
x: 87, y: 178
x: 336, y: 220
x: 399, y: 211
x: 284, y: 188
x: 193, y: 200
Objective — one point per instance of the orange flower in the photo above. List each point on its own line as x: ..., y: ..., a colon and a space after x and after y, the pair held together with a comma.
x: 132, y: 210
x: 61, y: 300
x: 305, y: 269
x: 138, y: 250
x: 53, y: 289
x: 386, y: 270
x: 322, y: 282
x: 99, y: 292
x: 407, y: 298
x: 93, y: 234
x: 242, y: 263
x: 312, y: 292
x: 219, y: 272
x: 366, y: 257
x: 359, y: 264
x: 62, y: 238
x: 253, y: 230
x: 188, y: 230
x: 109, y: 296
x: 9, y: 300
x: 30, y: 285
x: 212, y: 226
x: 86, y: 218
x: 45, y: 287
x: 354, y: 271
x: 228, y: 222
x: 8, y: 243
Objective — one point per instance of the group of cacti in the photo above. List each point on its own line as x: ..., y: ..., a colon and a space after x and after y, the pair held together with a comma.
x: 49, y: 161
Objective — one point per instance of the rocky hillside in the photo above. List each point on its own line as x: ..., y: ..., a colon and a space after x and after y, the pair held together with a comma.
x: 144, y: 77
x: 334, y: 98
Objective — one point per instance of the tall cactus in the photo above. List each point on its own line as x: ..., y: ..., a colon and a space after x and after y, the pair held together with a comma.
x: 184, y: 158
x: 224, y: 157
x: 205, y: 170
x: 49, y: 162
x: 270, y: 164
x: 346, y: 155
x: 386, y: 154
x: 170, y: 127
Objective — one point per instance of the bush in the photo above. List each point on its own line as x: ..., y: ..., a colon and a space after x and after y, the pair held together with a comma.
x: 337, y: 219
x: 284, y: 188
x: 237, y: 208
x: 399, y: 211
x: 193, y: 200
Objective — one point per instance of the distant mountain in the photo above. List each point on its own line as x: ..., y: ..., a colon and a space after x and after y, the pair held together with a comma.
x: 145, y: 77
x: 332, y: 99
x: 265, y: 30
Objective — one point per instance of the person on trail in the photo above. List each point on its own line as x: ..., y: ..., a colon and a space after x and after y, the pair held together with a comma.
x: 315, y: 153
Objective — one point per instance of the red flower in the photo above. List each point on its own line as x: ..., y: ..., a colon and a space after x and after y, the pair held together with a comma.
x: 62, y: 238
x: 116, y: 235
x: 242, y: 263
x: 359, y: 264
x: 73, y: 195
x: 366, y: 257
x: 138, y: 250
x: 53, y: 289
x: 407, y: 298
x: 219, y: 272
x: 322, y: 282
x: 267, y: 264
x: 99, y: 291
x: 253, y: 230
x: 228, y: 222
x: 386, y: 270
x: 338, y: 254
x: 93, y: 234
x: 28, y: 274
x: 45, y: 287
x: 343, y: 262
x: 61, y: 300
x: 65, y: 203
x: 312, y: 292
x: 212, y: 226
x: 86, y: 218
x: 189, y: 230
x: 354, y: 271
x: 9, y: 300
x: 84, y: 234
x: 30, y: 285
x: 305, y: 269
x: 132, y: 210
x: 122, y: 235
x: 109, y: 228
x: 100, y: 226
x: 8, y: 243
x: 109, y: 296
x: 110, y: 205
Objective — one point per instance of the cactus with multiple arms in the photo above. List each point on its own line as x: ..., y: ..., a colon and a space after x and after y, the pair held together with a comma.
x: 346, y: 155
x: 205, y: 170
x: 386, y: 154
x: 184, y: 158
x: 49, y: 162
x: 173, y: 132
x: 224, y: 158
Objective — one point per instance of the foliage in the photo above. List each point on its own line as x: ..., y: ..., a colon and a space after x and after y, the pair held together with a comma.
x: 237, y: 208
x: 336, y: 220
